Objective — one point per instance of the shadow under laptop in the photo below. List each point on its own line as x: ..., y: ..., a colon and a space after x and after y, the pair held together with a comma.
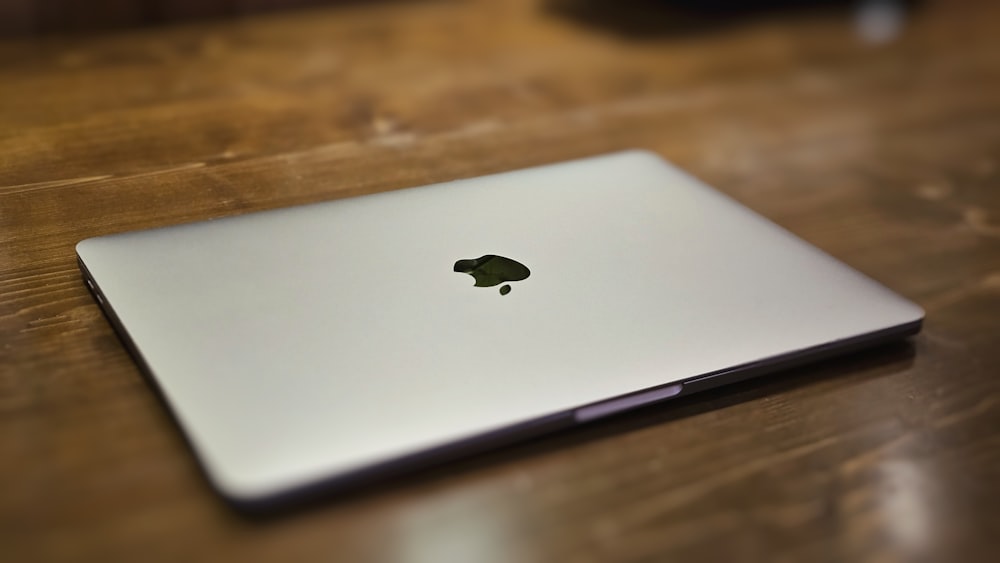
x: 853, y: 368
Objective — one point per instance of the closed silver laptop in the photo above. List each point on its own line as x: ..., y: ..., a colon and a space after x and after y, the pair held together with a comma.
x: 319, y: 345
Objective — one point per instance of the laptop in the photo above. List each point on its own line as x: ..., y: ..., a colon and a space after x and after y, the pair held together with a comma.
x: 325, y: 345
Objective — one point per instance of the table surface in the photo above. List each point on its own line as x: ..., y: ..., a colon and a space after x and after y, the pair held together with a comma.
x: 885, y: 155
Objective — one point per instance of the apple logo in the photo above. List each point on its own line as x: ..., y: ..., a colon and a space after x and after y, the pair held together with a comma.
x: 491, y: 270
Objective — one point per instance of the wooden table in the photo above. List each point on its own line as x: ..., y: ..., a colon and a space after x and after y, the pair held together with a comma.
x: 886, y: 156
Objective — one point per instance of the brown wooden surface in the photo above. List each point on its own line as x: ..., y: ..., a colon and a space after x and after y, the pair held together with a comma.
x: 887, y: 157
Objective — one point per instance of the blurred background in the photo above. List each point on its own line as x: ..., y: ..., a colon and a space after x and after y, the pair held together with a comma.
x: 32, y: 17
x: 25, y: 17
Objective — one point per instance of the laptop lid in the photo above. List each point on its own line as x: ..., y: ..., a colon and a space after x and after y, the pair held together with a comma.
x: 302, y: 345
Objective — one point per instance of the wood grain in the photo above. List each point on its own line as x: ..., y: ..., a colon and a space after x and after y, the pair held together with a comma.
x: 888, y: 157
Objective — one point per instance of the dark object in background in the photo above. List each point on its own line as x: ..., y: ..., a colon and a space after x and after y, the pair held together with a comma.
x: 655, y: 18
x: 37, y: 17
